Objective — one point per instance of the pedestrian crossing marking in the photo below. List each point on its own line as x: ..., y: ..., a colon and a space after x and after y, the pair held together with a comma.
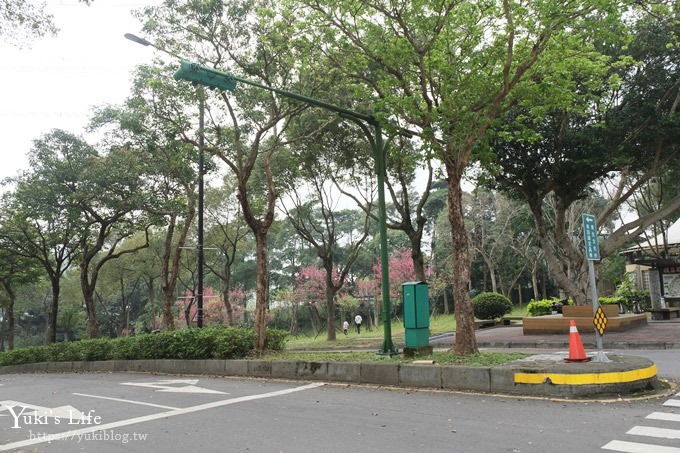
x: 651, y: 431
x: 659, y: 433
x: 664, y: 416
x: 636, y: 447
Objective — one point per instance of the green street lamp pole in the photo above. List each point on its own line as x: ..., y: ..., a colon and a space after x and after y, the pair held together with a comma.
x: 225, y: 81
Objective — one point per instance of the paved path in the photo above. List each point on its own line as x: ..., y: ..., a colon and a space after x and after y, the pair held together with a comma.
x: 655, y: 335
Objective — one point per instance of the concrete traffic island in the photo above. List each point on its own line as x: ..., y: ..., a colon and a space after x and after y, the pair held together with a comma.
x: 539, y: 375
x: 550, y: 374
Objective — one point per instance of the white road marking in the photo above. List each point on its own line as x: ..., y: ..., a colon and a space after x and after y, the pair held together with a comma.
x: 122, y: 400
x: 635, y: 447
x: 664, y: 416
x: 168, y: 385
x: 201, y: 407
x: 650, y: 431
x: 672, y: 403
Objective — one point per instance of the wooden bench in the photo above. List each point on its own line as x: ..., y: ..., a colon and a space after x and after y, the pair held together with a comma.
x: 507, y: 320
x: 660, y: 314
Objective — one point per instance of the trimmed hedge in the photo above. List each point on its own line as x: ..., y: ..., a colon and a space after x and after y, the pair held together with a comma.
x: 544, y: 306
x: 188, y: 344
x: 491, y: 305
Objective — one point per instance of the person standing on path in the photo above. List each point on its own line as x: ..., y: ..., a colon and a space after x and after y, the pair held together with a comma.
x: 345, y: 326
x: 357, y: 321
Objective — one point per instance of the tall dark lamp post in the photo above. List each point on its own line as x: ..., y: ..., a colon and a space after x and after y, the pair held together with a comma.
x: 201, y: 172
x: 225, y: 81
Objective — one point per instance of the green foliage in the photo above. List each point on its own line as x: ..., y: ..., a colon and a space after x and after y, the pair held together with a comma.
x: 186, y: 344
x: 540, y: 307
x: 491, y: 305
x: 609, y: 300
x: 630, y: 297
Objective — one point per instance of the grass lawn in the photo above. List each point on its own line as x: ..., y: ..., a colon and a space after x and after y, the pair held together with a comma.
x: 442, y: 358
x: 317, y: 348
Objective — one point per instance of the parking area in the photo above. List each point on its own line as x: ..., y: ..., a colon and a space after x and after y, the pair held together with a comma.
x: 105, y: 412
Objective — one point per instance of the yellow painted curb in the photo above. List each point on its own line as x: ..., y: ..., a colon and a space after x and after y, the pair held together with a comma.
x: 586, y: 378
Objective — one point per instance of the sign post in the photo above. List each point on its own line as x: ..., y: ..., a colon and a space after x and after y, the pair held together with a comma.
x: 593, y: 254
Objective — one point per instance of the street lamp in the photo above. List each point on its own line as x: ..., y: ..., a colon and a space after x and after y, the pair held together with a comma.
x: 371, y: 127
x: 201, y: 171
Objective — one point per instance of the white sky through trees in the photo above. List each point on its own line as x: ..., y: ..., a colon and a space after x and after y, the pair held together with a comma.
x: 53, y: 82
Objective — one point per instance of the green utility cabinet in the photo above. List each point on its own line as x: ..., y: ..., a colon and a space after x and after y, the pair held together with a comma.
x: 416, y: 314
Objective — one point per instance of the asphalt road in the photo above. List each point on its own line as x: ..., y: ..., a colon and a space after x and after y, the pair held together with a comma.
x: 146, y: 413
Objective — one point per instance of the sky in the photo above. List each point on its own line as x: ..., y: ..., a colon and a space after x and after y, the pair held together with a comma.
x: 54, y: 82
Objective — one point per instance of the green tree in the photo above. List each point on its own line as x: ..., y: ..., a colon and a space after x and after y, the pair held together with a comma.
x: 15, y: 271
x: 447, y: 69
x: 617, y: 136
x: 41, y: 221
x: 152, y: 125
x: 249, y: 128
x: 227, y: 232
x: 111, y: 196
x: 318, y: 223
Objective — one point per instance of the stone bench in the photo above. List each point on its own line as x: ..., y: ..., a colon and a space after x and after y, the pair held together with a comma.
x: 660, y: 314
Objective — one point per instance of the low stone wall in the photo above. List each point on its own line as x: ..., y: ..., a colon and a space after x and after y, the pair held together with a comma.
x: 505, y: 379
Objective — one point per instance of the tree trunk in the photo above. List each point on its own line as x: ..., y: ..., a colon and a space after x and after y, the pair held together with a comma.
x: 168, y: 322
x: 293, y: 329
x: 519, y: 295
x: 151, y: 291
x: 226, y: 299
x: 9, y: 316
x: 446, y: 301
x: 3, y: 323
x: 466, y: 343
x: 418, y: 258
x: 261, y: 291
x: 187, y: 311
x: 314, y: 318
x: 330, y: 304
x: 492, y: 274
x: 51, y: 331
x: 554, y: 264
x: 88, y: 299
x: 534, y: 281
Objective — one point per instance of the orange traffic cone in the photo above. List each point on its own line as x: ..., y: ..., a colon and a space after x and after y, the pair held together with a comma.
x: 576, y: 351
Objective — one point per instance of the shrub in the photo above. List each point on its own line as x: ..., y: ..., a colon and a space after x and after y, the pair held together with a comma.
x: 234, y: 343
x: 95, y: 349
x: 633, y: 299
x: 608, y: 300
x: 276, y: 339
x: 491, y: 305
x: 540, y: 307
x: 188, y: 344
x: 125, y: 348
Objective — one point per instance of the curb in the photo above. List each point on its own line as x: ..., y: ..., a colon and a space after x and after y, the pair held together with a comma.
x: 544, y: 375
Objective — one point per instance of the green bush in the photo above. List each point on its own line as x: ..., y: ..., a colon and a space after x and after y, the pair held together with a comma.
x: 234, y: 343
x: 608, y: 300
x: 187, y: 344
x: 540, y: 307
x: 276, y: 339
x: 491, y: 305
x: 630, y: 297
